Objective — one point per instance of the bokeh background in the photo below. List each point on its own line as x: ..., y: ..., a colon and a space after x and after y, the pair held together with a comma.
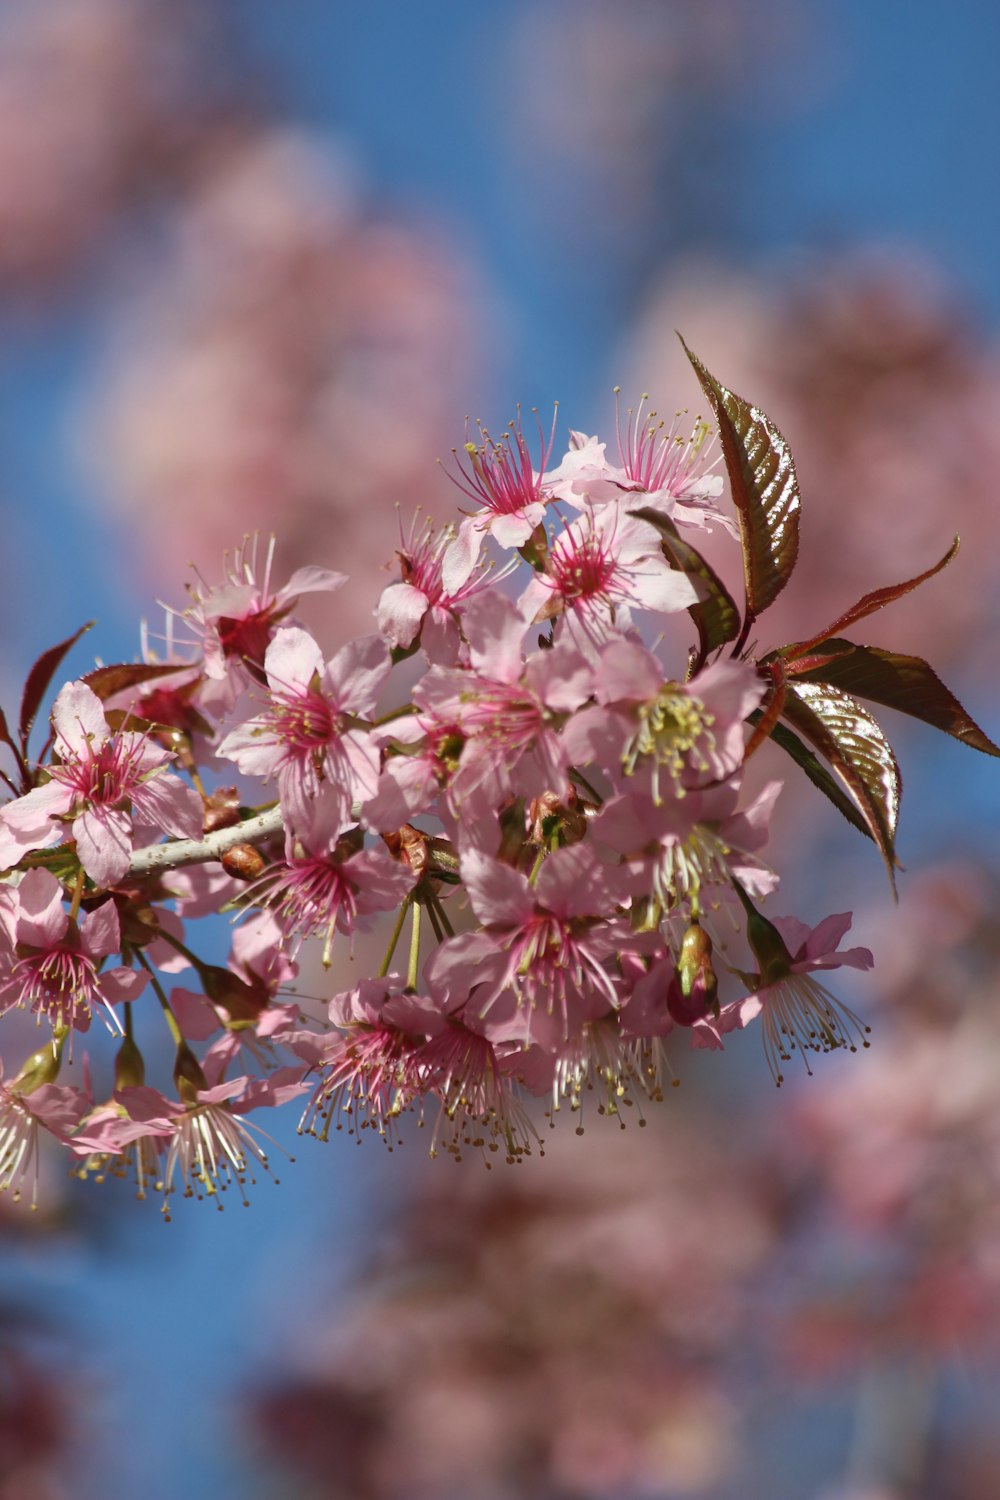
x: 257, y: 262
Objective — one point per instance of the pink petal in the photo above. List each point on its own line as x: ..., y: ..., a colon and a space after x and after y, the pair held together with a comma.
x: 41, y: 921
x: 494, y: 629
x: 27, y: 823
x: 101, y: 932
x: 170, y: 806
x: 357, y: 674
x: 627, y: 673
x: 400, y: 612
x: 120, y: 984
x: 78, y: 719
x: 311, y: 580
x: 195, y: 1017
x: 500, y: 896
x: 104, y: 843
x: 461, y: 556
x: 292, y: 660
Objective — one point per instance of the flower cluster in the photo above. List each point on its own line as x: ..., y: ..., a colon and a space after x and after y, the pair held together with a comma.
x: 511, y: 763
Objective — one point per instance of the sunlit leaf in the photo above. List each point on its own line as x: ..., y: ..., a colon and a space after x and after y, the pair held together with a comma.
x: 850, y: 739
x: 39, y: 678
x: 715, y: 616
x: 764, y: 488
x: 905, y: 683
x: 816, y: 771
x: 868, y: 604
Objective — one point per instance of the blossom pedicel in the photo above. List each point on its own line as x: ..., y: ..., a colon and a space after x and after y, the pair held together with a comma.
x: 556, y: 816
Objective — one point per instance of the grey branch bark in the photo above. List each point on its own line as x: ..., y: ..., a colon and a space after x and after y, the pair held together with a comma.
x: 177, y: 852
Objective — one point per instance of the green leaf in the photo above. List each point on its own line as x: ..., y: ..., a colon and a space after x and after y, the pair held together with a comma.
x: 716, y: 617
x: 38, y: 680
x: 816, y: 771
x: 764, y: 487
x: 905, y: 683
x: 868, y: 604
x: 850, y: 739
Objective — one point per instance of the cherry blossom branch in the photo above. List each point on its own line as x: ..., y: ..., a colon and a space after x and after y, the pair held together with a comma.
x: 177, y: 852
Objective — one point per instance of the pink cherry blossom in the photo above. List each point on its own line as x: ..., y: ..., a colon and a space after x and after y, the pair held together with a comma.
x: 598, y: 569
x: 509, y: 491
x: 673, y: 473
x: 657, y: 730
x: 540, y: 966
x: 27, y: 1115
x: 56, y: 970
x: 235, y: 621
x: 209, y: 1147
x: 104, y: 784
x: 309, y: 735
x: 797, y: 1012
x: 325, y: 884
x: 507, y: 710
x: 369, y: 1072
x: 420, y: 606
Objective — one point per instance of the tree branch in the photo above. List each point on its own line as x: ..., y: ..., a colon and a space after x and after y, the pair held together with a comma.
x: 178, y: 852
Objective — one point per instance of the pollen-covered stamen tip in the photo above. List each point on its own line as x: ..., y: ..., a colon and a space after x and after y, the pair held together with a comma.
x: 656, y: 457
x: 801, y: 1014
x: 675, y: 732
x: 62, y: 984
x: 499, y: 475
x: 212, y: 1149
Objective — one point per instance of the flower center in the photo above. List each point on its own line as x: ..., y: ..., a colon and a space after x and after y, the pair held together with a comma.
x: 60, y: 982
x: 670, y: 732
x: 305, y: 722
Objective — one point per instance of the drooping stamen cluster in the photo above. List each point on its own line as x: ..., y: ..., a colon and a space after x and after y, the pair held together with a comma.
x: 368, y: 1082
x: 61, y: 984
x: 801, y: 1015
x: 211, y: 1150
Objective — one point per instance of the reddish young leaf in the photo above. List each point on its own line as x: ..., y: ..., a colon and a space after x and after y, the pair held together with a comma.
x: 867, y: 605
x: 106, y: 681
x: 905, y: 683
x: 764, y: 487
x: 850, y: 739
x: 767, y: 717
x: 38, y: 680
x: 817, y: 773
x: 716, y: 618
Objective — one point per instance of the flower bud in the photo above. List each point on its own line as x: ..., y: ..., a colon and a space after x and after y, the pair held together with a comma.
x: 130, y: 1070
x: 693, y: 991
x: 222, y: 809
x: 41, y: 1067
